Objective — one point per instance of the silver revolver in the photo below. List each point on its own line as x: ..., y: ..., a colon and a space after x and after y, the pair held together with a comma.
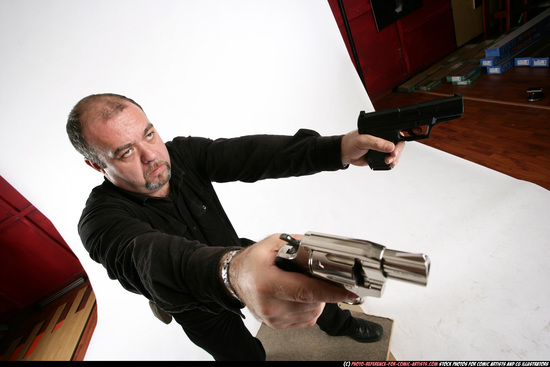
x: 360, y: 266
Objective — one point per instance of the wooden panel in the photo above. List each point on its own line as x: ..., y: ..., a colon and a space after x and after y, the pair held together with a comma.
x: 380, y: 56
x: 428, y: 41
x: 35, y: 262
x: 400, y: 50
x: 18, y: 202
x: 380, y: 53
x: 354, y: 9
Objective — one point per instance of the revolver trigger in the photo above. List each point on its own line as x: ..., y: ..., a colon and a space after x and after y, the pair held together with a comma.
x: 291, y: 241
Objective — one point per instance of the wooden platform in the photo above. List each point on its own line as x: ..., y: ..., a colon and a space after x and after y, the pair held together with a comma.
x: 312, y: 344
x: 53, y: 333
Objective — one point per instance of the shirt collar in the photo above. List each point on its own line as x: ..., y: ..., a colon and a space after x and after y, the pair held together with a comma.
x: 177, y: 176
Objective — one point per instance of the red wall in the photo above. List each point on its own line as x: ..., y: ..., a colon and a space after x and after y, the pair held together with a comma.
x: 35, y: 261
x: 401, y: 50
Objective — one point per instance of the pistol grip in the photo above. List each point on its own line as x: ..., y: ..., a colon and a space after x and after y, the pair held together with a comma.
x: 376, y: 161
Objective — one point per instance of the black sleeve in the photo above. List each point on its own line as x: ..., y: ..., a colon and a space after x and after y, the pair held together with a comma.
x: 257, y: 157
x: 176, y: 273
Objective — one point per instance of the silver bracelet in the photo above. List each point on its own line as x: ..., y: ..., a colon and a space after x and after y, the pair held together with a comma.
x: 225, y: 274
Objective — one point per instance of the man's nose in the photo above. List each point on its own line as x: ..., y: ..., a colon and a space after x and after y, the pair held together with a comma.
x: 147, y: 155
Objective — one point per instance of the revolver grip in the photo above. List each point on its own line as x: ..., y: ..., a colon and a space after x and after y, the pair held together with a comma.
x: 288, y: 265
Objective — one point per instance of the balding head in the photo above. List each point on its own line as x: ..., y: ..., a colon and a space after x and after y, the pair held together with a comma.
x: 94, y: 107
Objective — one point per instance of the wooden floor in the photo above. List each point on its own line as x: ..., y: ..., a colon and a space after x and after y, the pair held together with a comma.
x: 59, y: 331
x: 500, y: 129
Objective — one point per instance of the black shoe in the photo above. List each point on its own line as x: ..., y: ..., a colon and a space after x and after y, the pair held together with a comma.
x: 365, y: 331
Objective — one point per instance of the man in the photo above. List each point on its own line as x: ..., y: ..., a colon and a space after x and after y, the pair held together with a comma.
x: 158, y: 227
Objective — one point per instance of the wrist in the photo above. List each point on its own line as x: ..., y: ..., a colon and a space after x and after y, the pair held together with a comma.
x: 225, y: 274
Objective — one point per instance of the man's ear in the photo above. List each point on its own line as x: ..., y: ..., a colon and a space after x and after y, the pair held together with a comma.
x: 95, y: 166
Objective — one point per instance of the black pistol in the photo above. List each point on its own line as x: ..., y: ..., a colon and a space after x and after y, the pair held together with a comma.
x: 397, y: 124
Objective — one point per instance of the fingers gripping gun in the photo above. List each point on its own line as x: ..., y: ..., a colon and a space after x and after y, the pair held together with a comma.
x: 393, y: 123
x: 360, y: 266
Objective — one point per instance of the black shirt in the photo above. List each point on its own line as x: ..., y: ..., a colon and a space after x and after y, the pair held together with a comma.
x: 169, y: 249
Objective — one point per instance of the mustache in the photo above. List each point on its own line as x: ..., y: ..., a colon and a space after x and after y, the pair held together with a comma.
x: 154, y: 167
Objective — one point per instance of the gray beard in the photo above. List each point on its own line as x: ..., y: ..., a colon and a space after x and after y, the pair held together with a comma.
x: 155, y: 186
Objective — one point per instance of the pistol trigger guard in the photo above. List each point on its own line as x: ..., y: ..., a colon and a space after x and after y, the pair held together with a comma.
x: 429, y: 130
x: 413, y: 137
x: 409, y: 136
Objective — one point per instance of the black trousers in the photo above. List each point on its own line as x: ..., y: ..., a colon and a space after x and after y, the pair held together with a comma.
x: 226, y: 338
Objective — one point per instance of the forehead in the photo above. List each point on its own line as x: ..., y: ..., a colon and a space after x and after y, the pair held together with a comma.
x: 116, y: 128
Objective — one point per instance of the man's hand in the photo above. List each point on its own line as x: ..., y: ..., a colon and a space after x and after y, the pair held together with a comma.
x: 280, y: 299
x: 355, y: 146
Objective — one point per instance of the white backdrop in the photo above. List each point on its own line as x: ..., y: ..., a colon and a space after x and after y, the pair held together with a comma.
x: 222, y: 69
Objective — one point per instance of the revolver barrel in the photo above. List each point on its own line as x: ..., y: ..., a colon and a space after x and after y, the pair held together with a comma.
x: 405, y: 266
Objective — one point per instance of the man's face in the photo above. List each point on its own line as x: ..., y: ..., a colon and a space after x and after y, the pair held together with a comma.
x: 135, y: 156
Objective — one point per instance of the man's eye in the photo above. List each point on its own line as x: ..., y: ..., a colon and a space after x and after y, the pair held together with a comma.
x: 126, y: 153
x: 150, y: 135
